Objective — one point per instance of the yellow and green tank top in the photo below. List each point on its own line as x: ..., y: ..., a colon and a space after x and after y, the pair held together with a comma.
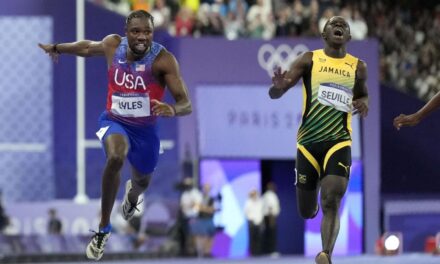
x: 327, y: 99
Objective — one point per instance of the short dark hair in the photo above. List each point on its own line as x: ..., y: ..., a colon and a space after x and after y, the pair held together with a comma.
x: 328, y: 21
x: 139, y: 14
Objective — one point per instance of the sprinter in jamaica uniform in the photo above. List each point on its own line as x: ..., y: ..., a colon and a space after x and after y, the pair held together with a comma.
x: 334, y: 88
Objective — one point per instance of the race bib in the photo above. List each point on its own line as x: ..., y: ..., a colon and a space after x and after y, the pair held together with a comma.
x: 131, y: 105
x: 336, y: 96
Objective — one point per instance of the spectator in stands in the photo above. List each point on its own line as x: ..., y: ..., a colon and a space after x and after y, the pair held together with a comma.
x: 209, y: 21
x: 162, y: 14
x: 311, y: 28
x: 284, y: 26
x: 234, y: 26
x: 259, y: 20
x: 401, y: 30
x: 204, y: 229
x: 54, y: 225
x: 271, y: 211
x: 358, y: 26
x: 253, y: 211
x: 234, y: 21
x: 185, y: 21
x: 189, y: 204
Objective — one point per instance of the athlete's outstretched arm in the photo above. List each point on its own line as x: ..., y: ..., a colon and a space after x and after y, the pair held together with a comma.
x: 413, y: 119
x: 283, y: 81
x: 167, y: 65
x: 83, y: 48
x: 360, y: 90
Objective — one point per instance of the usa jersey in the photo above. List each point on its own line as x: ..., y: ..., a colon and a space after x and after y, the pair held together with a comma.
x: 132, y: 86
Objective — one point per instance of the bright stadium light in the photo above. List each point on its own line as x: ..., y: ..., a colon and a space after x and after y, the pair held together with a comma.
x: 390, y: 243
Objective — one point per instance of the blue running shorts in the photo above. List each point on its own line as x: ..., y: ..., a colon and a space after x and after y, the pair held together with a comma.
x: 144, y: 144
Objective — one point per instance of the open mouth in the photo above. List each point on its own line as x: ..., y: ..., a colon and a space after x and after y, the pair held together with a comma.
x: 141, y: 46
x: 338, y: 32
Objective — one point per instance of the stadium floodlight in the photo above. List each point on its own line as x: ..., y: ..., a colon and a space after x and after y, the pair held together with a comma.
x: 391, y: 243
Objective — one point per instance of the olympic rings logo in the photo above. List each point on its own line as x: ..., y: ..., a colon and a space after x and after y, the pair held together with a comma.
x: 270, y: 57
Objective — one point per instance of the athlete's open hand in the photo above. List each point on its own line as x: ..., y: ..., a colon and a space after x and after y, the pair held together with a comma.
x: 162, y: 109
x: 279, y: 79
x: 360, y: 107
x: 49, y: 49
x: 406, y: 120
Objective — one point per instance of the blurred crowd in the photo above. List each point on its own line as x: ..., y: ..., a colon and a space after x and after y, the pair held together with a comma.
x: 233, y: 19
x: 409, y: 45
x: 408, y: 31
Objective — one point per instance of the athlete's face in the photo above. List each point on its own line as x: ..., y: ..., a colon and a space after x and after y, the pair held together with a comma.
x: 336, y: 31
x: 139, y: 34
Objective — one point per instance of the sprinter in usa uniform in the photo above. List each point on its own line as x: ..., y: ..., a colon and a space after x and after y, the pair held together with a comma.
x: 139, y: 70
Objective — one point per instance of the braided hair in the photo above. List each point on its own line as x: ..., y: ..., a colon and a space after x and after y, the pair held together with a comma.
x: 139, y: 14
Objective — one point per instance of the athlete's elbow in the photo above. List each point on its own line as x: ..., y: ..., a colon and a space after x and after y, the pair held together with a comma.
x: 273, y: 95
x: 187, y: 110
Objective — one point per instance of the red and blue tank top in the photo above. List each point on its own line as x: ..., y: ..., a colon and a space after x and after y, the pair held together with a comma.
x: 132, y: 86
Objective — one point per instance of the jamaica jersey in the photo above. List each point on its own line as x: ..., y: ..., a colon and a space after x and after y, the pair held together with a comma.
x: 327, y: 95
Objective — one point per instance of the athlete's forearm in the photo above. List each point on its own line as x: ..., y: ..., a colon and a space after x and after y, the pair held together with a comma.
x: 83, y: 48
x: 430, y: 106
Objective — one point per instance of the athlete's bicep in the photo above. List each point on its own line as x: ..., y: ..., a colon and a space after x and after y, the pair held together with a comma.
x: 173, y: 78
x: 360, y: 86
x: 299, y: 67
x: 109, y: 45
x: 175, y: 83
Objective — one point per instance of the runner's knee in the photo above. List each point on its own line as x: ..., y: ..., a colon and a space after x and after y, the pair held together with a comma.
x: 331, y: 201
x: 115, y: 161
